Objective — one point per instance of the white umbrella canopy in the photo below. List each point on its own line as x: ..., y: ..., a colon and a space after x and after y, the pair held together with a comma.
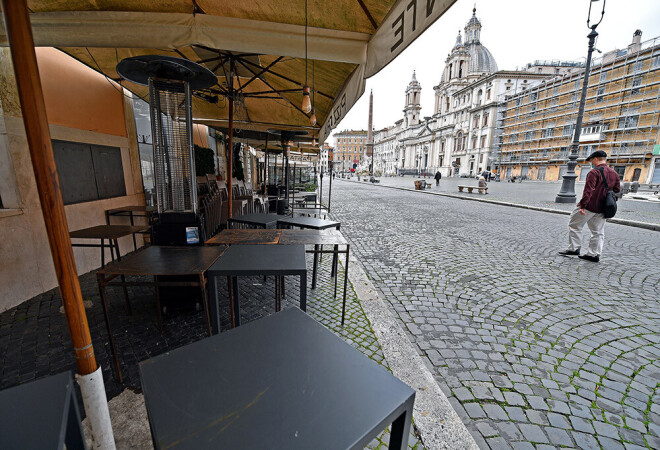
x: 263, y: 40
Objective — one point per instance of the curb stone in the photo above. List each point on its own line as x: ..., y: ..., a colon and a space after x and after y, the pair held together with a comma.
x: 629, y: 223
x: 435, y: 418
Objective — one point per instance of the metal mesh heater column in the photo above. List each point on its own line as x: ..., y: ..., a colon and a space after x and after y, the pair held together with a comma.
x: 171, y: 123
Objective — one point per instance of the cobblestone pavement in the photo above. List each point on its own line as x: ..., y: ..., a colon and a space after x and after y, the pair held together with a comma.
x: 533, y: 193
x: 532, y: 349
x: 34, y: 339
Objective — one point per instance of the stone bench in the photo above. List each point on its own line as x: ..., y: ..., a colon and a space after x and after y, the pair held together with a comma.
x: 470, y: 188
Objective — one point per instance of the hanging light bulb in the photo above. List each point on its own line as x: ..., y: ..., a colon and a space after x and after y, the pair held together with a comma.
x: 306, y: 101
x: 312, y: 118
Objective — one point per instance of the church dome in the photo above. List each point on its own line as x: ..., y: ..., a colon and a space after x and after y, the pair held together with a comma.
x: 481, y: 59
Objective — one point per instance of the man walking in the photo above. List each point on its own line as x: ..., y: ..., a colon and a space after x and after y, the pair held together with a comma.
x: 438, y: 175
x: 590, y: 209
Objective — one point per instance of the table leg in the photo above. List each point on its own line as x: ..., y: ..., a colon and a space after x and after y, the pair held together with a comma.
x: 132, y: 224
x: 303, y: 291
x: 343, y: 306
x: 401, y: 429
x: 277, y: 293
x: 335, y: 264
x: 101, y: 282
x: 159, y: 308
x: 232, y: 313
x: 214, y: 306
x: 237, y: 310
x: 316, y: 265
x: 102, y: 253
x: 107, y: 218
x: 335, y: 257
x: 202, y: 288
x: 282, y: 287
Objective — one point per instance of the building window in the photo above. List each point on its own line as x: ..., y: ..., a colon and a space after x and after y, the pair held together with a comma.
x: 549, y: 131
x: 474, y: 142
x: 481, y: 158
x: 483, y: 142
x: 514, y: 138
x: 628, y: 122
x: 656, y: 62
x: 485, y: 124
x: 600, y: 95
x: 637, y: 67
x: 603, y: 76
x: 488, y: 94
x: 529, y: 135
x: 518, y: 101
x: 636, y: 83
x: 476, y: 121
x: 534, y: 96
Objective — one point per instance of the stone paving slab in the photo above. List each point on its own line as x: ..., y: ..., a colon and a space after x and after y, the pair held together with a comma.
x: 533, y: 350
x: 34, y: 340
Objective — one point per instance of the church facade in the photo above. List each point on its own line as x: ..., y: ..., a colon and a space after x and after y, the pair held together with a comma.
x: 460, y: 138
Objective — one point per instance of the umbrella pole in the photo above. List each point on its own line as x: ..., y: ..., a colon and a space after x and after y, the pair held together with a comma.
x: 230, y: 155
x: 90, y: 378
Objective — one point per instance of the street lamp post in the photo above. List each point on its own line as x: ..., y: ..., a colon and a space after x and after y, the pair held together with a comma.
x: 567, y: 192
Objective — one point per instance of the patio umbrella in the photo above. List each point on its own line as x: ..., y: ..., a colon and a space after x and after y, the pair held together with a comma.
x: 347, y: 40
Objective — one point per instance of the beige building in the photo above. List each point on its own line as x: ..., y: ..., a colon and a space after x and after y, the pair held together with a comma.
x: 350, y: 147
x: 460, y: 138
x: 621, y: 117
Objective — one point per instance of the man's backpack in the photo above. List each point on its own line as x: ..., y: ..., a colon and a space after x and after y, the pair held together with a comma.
x: 609, y: 202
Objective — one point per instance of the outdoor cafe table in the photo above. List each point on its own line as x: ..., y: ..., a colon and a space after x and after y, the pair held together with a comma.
x: 41, y: 414
x: 259, y: 220
x: 246, y: 260
x: 290, y: 237
x: 107, y: 232
x: 158, y: 262
x: 283, y: 381
x: 131, y: 211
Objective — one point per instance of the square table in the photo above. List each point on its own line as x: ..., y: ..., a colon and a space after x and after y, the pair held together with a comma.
x: 311, y: 223
x: 41, y: 414
x: 259, y: 220
x: 131, y: 211
x: 240, y: 260
x: 246, y: 236
x: 156, y: 261
x: 106, y: 232
x: 283, y: 381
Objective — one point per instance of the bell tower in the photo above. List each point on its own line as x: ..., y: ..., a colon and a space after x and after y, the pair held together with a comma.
x: 413, y: 108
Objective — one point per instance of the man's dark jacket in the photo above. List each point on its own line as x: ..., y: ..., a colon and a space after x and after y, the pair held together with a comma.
x: 594, y: 188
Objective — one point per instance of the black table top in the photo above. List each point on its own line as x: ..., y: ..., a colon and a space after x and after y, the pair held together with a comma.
x: 309, y: 222
x: 251, y: 236
x: 257, y: 219
x: 309, y: 237
x: 283, y: 381
x: 132, y: 208
x: 33, y: 415
x: 157, y: 260
x: 107, y: 231
x: 266, y: 259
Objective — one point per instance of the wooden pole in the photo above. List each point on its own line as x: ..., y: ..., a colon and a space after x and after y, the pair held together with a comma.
x: 21, y: 43
x: 230, y: 154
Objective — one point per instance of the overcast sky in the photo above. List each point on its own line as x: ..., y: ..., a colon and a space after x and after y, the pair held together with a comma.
x: 515, y: 31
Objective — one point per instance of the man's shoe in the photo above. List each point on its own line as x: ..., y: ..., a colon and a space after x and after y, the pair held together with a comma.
x: 591, y: 258
x: 570, y: 252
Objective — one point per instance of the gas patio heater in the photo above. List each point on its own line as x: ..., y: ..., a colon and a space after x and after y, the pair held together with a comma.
x: 171, y: 82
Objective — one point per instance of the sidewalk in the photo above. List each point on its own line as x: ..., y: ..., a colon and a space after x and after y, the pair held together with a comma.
x: 536, y: 195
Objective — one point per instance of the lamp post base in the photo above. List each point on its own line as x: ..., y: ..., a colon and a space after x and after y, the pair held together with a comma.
x: 567, y: 192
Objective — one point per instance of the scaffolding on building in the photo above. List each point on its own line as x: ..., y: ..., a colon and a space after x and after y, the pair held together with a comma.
x: 622, y: 115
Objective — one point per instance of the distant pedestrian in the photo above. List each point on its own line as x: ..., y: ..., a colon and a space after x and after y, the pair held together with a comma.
x: 438, y: 175
x: 590, y: 209
x: 482, y: 184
